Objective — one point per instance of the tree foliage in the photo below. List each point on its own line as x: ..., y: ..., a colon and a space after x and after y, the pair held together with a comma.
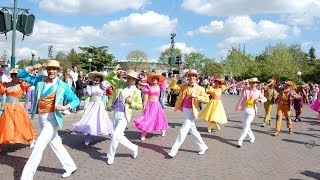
x: 136, y: 58
x: 99, y: 55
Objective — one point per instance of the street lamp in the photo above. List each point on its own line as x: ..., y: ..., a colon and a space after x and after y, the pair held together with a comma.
x: 299, y: 77
x: 90, y: 61
x: 33, y: 53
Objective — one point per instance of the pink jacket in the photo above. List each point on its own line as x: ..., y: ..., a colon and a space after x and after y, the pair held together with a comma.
x: 243, y: 98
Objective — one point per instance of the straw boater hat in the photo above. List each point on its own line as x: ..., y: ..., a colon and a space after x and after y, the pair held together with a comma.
x: 14, y: 71
x: 254, y: 79
x: 132, y: 73
x: 93, y: 74
x: 192, y: 71
x: 161, y: 79
x: 52, y: 63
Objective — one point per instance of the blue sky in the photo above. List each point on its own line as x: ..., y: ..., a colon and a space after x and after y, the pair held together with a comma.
x: 210, y: 27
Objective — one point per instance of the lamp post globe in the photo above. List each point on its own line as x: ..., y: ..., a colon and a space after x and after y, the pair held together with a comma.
x: 299, y: 73
x: 33, y: 53
x: 90, y: 61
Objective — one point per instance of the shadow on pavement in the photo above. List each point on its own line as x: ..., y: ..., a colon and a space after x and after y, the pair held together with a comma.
x: 17, y: 164
x: 154, y: 147
x: 76, y: 141
x: 311, y: 174
x: 223, y: 140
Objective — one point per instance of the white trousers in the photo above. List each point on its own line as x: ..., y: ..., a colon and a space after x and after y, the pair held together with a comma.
x: 119, y: 124
x: 48, y: 135
x: 29, y: 97
x: 248, y: 115
x: 188, y: 126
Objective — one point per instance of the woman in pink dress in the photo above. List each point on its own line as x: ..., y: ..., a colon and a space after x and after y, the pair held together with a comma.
x: 315, y: 105
x: 153, y: 118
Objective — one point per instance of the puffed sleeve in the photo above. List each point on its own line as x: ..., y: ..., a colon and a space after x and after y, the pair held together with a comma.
x: 3, y: 88
x: 146, y: 89
x: 24, y: 86
x: 88, y: 89
x: 104, y: 85
x: 162, y: 86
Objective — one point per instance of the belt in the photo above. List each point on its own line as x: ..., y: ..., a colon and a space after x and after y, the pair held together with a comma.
x: 95, y: 98
x: 12, y: 99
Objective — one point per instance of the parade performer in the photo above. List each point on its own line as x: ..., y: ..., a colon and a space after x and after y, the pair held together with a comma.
x: 15, y: 126
x: 49, y: 94
x: 284, y: 102
x: 125, y: 97
x: 214, y: 112
x: 315, y: 105
x: 191, y: 94
x: 300, y: 96
x: 271, y: 94
x: 247, y: 104
x: 95, y: 120
x: 153, y: 118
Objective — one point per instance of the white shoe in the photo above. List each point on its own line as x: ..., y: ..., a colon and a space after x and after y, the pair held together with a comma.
x: 110, y: 160
x: 203, y: 151
x: 163, y: 133
x: 68, y: 173
x: 251, y: 141
x: 32, y: 144
x: 172, y: 155
x: 239, y: 144
x: 135, y: 153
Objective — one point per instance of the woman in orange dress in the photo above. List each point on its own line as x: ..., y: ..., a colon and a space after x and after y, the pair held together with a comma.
x: 15, y: 126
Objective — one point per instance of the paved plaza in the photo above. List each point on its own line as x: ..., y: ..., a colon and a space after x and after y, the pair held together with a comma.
x: 286, y: 156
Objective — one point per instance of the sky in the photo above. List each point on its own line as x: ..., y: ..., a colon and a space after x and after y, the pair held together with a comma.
x: 210, y: 27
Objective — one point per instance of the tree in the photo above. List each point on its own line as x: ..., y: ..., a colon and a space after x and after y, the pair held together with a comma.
x: 212, y: 68
x: 164, y: 56
x: 72, y: 57
x: 280, y: 63
x: 136, y: 58
x: 195, y: 60
x: 312, y: 54
x: 99, y: 55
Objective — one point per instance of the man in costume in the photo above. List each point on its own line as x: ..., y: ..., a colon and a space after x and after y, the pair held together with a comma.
x: 191, y: 94
x: 49, y: 94
x: 125, y: 97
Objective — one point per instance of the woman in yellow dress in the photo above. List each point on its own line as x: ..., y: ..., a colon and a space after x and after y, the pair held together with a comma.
x: 15, y: 126
x: 214, y: 112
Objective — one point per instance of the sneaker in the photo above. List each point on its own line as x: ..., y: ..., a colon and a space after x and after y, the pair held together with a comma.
x: 218, y: 127
x: 203, y: 151
x: 135, y: 153
x: 32, y: 144
x: 209, y: 130
x: 163, y: 133
x: 110, y: 160
x: 263, y: 125
x: 143, y: 136
x: 68, y: 173
x: 276, y: 134
x: 290, y: 131
x: 239, y: 144
x: 252, y: 141
x: 172, y: 155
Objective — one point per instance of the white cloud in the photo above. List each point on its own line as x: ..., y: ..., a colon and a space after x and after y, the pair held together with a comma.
x: 241, y: 29
x: 63, y: 38
x: 91, y: 7
x: 297, y: 11
x: 136, y: 25
x: 125, y: 44
x: 179, y: 45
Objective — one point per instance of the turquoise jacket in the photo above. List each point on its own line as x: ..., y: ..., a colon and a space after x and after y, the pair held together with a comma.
x: 63, y: 92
